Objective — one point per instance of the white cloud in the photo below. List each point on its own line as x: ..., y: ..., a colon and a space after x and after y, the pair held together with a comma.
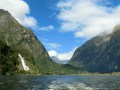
x: 61, y: 56
x: 86, y: 18
x: 47, y: 28
x: 52, y: 53
x: 19, y: 10
x: 51, y: 45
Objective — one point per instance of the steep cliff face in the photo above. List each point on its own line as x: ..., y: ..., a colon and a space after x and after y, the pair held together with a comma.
x: 25, y: 43
x: 100, y: 54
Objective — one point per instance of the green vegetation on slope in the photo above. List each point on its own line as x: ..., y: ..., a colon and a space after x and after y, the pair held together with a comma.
x: 16, y: 39
x: 8, y: 60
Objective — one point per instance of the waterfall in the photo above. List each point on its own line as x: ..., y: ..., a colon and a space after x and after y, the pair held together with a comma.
x: 25, y: 67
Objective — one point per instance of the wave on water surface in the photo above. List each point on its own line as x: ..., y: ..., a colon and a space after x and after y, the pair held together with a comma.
x: 66, y: 86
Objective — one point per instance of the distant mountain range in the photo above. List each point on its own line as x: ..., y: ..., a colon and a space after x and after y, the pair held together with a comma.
x: 56, y: 60
x: 99, y: 54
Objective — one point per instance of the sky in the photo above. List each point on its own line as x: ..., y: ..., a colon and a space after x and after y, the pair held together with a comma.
x: 64, y: 25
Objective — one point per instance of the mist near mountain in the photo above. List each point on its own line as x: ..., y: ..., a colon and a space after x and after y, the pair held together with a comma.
x: 56, y: 60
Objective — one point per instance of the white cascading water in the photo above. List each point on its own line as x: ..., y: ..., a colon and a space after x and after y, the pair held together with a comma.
x: 25, y: 67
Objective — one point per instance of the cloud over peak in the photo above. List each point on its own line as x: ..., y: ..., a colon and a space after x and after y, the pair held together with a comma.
x: 20, y: 11
x: 86, y: 18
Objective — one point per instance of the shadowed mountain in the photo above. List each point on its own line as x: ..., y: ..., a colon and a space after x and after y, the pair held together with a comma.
x: 99, y: 54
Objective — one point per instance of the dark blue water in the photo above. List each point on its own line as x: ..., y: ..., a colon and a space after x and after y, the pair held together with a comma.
x: 102, y: 82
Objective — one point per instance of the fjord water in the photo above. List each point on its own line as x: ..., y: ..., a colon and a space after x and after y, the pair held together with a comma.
x: 101, y: 82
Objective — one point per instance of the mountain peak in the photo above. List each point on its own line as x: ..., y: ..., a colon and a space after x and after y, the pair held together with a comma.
x: 7, y: 20
x: 116, y: 28
x: 3, y: 11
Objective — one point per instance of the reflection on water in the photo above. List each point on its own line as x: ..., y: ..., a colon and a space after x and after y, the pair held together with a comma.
x: 60, y: 82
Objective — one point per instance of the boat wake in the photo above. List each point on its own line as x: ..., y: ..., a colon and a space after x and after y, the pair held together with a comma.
x: 66, y: 86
